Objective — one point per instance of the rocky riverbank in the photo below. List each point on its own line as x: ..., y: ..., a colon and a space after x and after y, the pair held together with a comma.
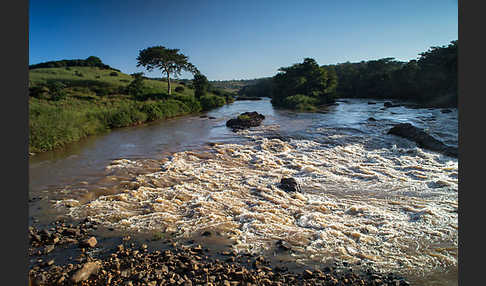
x: 132, y: 263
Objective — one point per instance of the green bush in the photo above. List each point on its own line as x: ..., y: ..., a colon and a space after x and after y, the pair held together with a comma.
x: 113, y: 73
x: 57, y: 91
x: 210, y: 101
x: 40, y: 91
x: 179, y: 89
x: 243, y: 117
x: 136, y: 87
x: 300, y: 102
x: 190, y: 101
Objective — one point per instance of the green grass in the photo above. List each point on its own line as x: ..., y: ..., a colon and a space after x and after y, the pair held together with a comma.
x: 95, y: 104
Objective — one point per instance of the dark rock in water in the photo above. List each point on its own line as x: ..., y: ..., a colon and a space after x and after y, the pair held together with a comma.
x: 371, y: 119
x: 283, y: 245
x: 245, y: 120
x: 203, y: 116
x: 389, y: 104
x: 289, y: 185
x: 206, y: 233
x: 446, y: 111
x: 210, y: 117
x: 370, y: 102
x: 424, y: 140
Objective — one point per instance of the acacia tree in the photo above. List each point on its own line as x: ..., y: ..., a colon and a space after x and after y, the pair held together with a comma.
x: 170, y: 61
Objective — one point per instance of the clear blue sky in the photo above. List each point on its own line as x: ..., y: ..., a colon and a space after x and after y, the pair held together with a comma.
x: 234, y: 39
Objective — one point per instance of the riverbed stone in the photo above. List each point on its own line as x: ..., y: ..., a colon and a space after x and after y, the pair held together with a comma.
x: 423, y: 140
x: 245, y: 120
x: 85, y: 272
x: 90, y: 242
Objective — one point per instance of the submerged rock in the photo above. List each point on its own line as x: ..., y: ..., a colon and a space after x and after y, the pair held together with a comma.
x: 389, y: 104
x: 283, y: 245
x: 245, y: 120
x: 424, y: 140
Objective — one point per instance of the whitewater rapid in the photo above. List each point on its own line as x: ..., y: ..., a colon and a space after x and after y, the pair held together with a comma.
x: 365, y: 198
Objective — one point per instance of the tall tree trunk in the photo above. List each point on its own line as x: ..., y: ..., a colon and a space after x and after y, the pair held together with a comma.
x: 168, y: 82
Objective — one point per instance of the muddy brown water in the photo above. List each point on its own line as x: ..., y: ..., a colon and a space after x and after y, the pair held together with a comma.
x: 81, y: 172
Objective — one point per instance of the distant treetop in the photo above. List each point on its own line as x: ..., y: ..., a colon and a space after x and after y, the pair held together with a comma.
x: 91, y: 61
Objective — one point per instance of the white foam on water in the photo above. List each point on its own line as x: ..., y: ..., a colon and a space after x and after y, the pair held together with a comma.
x: 395, y: 207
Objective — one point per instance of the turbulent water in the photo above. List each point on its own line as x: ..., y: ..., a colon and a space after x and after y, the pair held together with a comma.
x: 366, y: 196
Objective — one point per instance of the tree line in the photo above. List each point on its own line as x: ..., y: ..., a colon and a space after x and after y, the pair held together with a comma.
x: 430, y: 80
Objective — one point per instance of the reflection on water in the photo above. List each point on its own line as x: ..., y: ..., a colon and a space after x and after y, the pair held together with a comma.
x: 367, y: 196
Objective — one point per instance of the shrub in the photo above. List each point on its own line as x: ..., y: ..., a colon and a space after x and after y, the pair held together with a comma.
x: 179, y: 89
x: 135, y: 88
x: 113, y: 73
x: 300, y: 102
x: 211, y: 101
x: 57, y: 91
x: 41, y: 92
x: 190, y: 101
x: 102, y: 90
x: 243, y: 117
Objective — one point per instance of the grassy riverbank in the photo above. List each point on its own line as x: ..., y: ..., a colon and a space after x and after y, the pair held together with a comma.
x: 67, y: 104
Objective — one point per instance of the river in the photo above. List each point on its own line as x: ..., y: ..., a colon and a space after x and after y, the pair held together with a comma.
x: 367, y: 197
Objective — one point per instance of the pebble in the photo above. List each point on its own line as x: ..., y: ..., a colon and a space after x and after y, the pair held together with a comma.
x: 85, y: 271
x: 90, y: 242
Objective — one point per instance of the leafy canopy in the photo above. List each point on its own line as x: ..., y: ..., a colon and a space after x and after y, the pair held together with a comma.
x: 168, y: 60
x: 308, y: 79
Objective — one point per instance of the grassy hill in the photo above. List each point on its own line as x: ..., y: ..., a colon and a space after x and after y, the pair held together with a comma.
x: 69, y: 103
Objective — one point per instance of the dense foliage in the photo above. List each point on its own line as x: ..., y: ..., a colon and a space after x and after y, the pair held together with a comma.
x: 314, y: 84
x: 430, y: 80
x: 261, y: 88
x: 200, y: 84
x: 210, y: 101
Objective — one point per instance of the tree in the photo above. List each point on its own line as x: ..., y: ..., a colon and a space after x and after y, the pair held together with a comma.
x: 170, y: 61
x: 94, y: 61
x: 305, y: 79
x: 201, y: 84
